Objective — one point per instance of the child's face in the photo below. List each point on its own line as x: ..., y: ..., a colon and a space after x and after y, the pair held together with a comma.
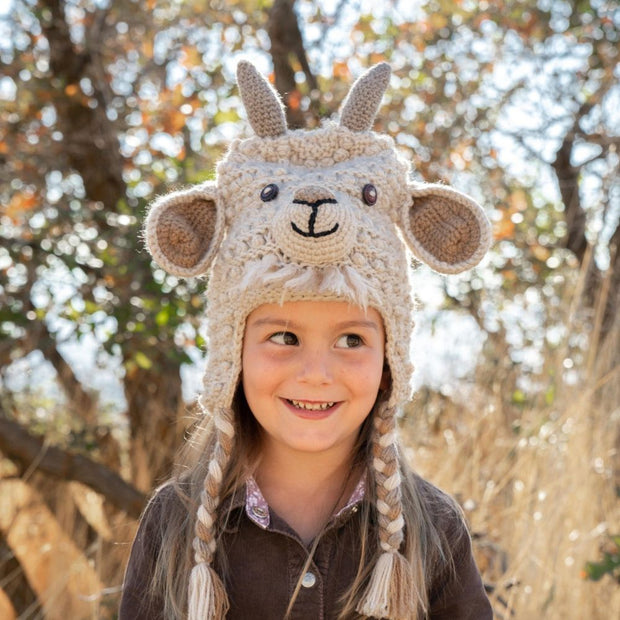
x: 311, y: 372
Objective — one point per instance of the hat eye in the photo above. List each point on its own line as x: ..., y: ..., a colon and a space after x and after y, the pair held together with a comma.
x: 269, y: 192
x: 369, y: 194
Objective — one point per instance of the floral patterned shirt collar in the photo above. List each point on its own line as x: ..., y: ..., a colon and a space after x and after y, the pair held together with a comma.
x: 257, y: 509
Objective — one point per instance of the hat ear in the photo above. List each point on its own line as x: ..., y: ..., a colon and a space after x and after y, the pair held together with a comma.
x: 359, y: 109
x: 262, y: 103
x: 445, y: 229
x: 183, y: 230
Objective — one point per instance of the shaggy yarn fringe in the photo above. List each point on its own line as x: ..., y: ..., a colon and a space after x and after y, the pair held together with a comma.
x: 207, y: 596
x: 341, y: 281
x: 389, y: 593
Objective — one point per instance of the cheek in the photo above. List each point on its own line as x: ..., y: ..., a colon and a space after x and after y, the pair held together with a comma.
x: 258, y: 373
x: 253, y: 390
x: 368, y: 377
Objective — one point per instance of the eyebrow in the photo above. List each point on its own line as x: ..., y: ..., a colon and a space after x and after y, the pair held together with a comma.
x: 291, y: 324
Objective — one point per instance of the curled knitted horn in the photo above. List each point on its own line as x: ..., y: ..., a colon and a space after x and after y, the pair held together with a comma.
x: 262, y: 104
x: 359, y: 109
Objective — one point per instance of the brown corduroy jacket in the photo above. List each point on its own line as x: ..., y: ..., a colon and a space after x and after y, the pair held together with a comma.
x: 264, y: 565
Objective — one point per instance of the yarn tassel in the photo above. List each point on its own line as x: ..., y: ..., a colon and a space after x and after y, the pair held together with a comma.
x: 207, y: 595
x: 389, y: 593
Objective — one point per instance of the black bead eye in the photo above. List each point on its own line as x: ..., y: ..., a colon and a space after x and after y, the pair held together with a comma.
x: 269, y: 192
x: 369, y: 194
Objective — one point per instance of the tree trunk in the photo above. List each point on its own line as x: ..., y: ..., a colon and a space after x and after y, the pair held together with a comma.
x: 568, y: 179
x: 91, y: 143
x: 89, y: 139
x: 287, y: 46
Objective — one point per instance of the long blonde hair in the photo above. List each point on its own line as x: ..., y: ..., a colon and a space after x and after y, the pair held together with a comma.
x: 424, y: 546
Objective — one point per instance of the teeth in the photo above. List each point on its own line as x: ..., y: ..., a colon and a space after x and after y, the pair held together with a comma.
x: 311, y: 406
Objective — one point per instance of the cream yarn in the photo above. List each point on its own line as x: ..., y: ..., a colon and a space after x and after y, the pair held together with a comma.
x: 292, y: 216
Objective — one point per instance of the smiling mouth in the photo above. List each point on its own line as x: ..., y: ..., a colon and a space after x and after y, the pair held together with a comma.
x: 307, y: 406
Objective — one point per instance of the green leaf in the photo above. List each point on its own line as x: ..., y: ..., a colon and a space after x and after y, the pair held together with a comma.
x: 142, y: 360
x: 550, y: 395
x: 163, y: 316
x: 226, y: 116
x: 609, y: 565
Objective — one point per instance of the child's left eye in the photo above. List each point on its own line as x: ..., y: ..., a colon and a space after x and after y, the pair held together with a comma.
x: 285, y: 338
x: 349, y: 341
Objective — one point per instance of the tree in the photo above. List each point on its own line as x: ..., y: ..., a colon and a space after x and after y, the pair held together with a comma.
x: 106, y: 104
x: 73, y: 120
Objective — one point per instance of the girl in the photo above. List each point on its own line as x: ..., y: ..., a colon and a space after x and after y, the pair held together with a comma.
x: 292, y: 499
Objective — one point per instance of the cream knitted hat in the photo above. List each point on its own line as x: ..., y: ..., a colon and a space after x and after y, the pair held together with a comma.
x: 328, y: 214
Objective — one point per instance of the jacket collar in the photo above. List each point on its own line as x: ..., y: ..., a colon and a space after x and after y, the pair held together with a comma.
x: 248, y: 498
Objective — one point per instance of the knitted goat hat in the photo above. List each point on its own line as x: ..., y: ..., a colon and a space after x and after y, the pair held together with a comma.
x: 327, y: 214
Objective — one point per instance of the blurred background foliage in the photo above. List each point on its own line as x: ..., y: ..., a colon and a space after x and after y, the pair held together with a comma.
x: 105, y: 104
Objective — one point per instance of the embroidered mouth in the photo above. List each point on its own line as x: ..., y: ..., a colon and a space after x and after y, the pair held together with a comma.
x: 306, y: 406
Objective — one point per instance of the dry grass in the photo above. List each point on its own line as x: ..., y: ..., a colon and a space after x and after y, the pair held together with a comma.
x: 537, y: 482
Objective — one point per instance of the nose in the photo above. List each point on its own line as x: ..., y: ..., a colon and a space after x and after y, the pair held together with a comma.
x: 313, y: 196
x: 317, y: 226
x: 315, y: 368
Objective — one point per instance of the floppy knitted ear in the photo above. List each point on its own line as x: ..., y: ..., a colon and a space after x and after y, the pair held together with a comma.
x: 183, y: 230
x: 445, y: 229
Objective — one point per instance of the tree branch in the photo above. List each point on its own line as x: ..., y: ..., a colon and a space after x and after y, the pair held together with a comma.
x: 601, y: 139
x: 286, y: 44
x: 610, y: 316
x: 333, y: 21
x: 568, y: 183
x: 19, y: 445
x: 90, y: 140
x: 82, y: 401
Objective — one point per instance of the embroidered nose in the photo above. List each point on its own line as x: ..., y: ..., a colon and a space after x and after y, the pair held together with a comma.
x: 314, y: 226
x: 313, y: 197
x: 312, y: 194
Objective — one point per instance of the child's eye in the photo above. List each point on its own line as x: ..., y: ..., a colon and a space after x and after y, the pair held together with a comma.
x: 285, y: 338
x: 349, y: 341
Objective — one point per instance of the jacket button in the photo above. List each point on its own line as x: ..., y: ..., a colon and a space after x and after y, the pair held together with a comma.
x: 309, y: 579
x: 259, y: 511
